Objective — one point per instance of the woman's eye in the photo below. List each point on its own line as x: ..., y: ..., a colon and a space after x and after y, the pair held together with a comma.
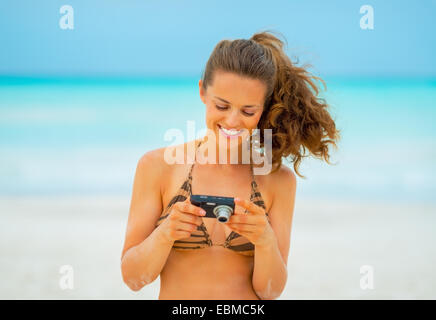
x: 220, y: 108
x: 248, y: 113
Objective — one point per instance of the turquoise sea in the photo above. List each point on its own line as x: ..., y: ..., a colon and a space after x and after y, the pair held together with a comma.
x: 85, y: 136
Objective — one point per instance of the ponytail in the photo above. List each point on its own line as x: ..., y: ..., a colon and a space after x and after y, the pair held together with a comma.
x: 299, y: 119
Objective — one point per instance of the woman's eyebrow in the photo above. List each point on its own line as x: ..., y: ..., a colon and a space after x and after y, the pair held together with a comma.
x: 230, y: 103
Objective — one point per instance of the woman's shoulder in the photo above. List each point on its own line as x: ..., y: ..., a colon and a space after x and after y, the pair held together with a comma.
x: 163, y: 171
x: 284, y: 173
x: 282, y: 178
x: 152, y: 159
x: 284, y: 182
x: 165, y: 159
x: 277, y: 186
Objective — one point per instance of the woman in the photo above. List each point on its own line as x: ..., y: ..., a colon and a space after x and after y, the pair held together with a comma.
x: 247, y: 85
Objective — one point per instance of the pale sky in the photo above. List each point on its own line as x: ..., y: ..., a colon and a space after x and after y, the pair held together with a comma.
x: 174, y: 37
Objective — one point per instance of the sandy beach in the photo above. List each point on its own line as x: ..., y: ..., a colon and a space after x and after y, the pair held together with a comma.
x: 330, y: 241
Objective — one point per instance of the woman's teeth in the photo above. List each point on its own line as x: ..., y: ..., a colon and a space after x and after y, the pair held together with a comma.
x: 231, y: 132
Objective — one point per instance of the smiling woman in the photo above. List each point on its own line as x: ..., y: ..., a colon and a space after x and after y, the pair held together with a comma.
x: 247, y: 85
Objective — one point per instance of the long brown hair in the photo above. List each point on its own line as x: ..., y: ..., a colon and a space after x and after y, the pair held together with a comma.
x: 298, y: 118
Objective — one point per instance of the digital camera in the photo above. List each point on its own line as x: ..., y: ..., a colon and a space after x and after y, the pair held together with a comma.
x: 216, y: 207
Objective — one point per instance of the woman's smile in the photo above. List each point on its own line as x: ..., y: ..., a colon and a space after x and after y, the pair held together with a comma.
x: 230, y: 133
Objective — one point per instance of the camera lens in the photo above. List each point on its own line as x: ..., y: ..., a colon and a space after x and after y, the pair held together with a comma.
x: 223, y: 212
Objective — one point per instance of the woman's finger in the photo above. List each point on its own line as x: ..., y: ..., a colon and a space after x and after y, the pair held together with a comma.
x: 187, y: 207
x: 250, y: 206
x: 245, y: 218
x: 243, y: 227
x: 183, y: 226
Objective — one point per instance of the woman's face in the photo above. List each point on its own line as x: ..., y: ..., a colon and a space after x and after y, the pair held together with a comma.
x: 234, y: 105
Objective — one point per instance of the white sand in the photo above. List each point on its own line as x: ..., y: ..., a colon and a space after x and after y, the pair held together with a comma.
x: 330, y: 241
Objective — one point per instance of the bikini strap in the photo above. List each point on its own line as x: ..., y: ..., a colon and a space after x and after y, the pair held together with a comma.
x: 192, y: 165
x: 255, y: 192
x: 253, y: 181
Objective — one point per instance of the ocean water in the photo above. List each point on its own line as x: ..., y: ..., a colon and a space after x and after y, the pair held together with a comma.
x: 85, y: 136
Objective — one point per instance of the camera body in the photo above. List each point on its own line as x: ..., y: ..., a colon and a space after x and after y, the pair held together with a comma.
x: 220, y: 208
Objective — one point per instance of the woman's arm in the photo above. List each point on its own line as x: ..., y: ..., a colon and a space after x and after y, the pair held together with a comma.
x: 145, y: 249
x: 270, y: 259
x: 143, y: 263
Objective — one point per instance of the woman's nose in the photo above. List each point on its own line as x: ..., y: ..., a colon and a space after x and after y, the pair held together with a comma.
x: 233, y: 120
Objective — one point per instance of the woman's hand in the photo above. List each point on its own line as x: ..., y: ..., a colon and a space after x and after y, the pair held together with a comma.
x: 182, y: 220
x: 253, y: 224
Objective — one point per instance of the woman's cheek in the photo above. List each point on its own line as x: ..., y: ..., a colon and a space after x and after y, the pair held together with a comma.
x: 256, y: 121
x: 211, y: 117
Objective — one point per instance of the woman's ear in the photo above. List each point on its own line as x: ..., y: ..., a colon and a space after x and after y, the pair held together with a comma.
x: 202, y: 93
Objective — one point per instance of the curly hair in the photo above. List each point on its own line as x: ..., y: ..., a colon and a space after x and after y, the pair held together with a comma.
x: 298, y: 118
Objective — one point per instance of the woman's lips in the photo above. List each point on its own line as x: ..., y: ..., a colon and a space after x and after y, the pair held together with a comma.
x: 230, y: 134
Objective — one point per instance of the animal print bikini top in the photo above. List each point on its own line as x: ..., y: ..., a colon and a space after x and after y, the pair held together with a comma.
x: 200, y: 237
